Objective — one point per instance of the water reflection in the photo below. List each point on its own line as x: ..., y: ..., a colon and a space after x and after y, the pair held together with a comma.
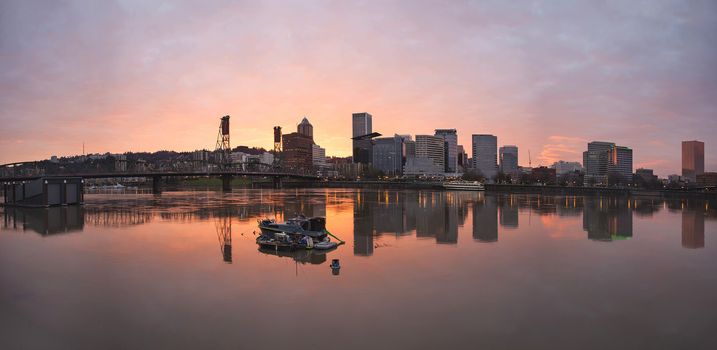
x: 693, y: 229
x: 45, y: 221
x: 485, y: 220
x: 425, y: 214
x: 607, y: 219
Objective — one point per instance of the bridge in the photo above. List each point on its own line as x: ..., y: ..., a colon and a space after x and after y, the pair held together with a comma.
x: 225, y: 175
x: 222, y: 166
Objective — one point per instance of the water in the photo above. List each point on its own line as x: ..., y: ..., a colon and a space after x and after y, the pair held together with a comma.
x: 420, y: 270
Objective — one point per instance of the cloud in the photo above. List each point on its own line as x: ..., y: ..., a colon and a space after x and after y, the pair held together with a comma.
x: 560, y: 147
x: 149, y: 75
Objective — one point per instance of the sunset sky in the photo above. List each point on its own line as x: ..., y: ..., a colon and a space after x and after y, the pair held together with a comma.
x: 547, y: 76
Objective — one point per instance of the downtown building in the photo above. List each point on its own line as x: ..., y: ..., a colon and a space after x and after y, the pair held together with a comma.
x: 388, y: 155
x: 429, y: 158
x: 450, y: 149
x: 361, y: 126
x: 605, y: 158
x: 508, y: 159
x: 562, y: 167
x: 485, y: 156
x: 693, y: 160
x: 620, y: 163
x: 463, y: 161
x: 298, y: 147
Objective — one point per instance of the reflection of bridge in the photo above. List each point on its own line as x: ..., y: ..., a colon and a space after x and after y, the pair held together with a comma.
x: 156, y: 177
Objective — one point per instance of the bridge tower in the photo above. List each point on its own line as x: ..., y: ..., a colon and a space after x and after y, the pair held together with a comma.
x: 277, y: 146
x: 223, y: 147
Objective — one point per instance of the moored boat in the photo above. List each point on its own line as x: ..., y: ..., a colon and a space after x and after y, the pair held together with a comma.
x: 297, y: 233
x: 464, y: 185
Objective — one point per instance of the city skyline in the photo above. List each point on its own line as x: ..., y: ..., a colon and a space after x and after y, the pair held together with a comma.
x: 535, y: 75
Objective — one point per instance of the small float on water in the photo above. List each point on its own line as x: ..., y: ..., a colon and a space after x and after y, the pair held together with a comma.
x: 297, y: 233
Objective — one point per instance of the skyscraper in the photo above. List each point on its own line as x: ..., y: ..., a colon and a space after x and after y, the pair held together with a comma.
x: 450, y: 140
x: 297, y: 151
x: 595, y: 160
x: 431, y: 147
x: 462, y: 158
x: 388, y: 155
x: 693, y: 159
x: 361, y: 125
x: 620, y: 162
x: 428, y: 156
x: 508, y: 159
x: 305, y: 128
x: 485, y: 157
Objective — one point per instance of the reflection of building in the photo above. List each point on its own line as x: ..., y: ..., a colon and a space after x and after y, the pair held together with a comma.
x: 46, y: 221
x: 508, y: 213
x: 449, y: 234
x: 607, y: 219
x: 693, y: 229
x: 693, y: 159
x: 485, y: 220
x: 363, y: 223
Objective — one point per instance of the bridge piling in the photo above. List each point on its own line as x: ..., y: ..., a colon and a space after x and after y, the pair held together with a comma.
x: 226, y: 183
x: 156, y: 184
x: 277, y: 182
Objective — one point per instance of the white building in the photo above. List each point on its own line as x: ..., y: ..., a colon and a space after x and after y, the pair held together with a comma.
x: 318, y: 156
x: 563, y: 167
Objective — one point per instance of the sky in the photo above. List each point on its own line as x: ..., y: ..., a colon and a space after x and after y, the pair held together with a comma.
x: 547, y: 76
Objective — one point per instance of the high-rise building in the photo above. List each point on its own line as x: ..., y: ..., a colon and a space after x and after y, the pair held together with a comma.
x: 305, y: 128
x: 620, y: 162
x: 508, y: 159
x: 318, y: 156
x: 462, y: 158
x: 693, y: 159
x: 410, y: 148
x: 485, y: 155
x: 595, y: 160
x: 431, y: 147
x: 428, y: 156
x: 450, y: 149
x: 297, y: 151
x: 388, y: 155
x: 361, y: 125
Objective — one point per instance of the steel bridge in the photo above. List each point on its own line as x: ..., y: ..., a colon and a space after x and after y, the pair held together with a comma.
x: 156, y: 177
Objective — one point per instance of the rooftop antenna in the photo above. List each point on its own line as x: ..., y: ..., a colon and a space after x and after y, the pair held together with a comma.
x: 530, y: 162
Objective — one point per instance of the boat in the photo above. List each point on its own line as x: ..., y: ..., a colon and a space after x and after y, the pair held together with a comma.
x: 296, y: 233
x: 335, y: 264
x: 324, y: 245
x: 464, y: 185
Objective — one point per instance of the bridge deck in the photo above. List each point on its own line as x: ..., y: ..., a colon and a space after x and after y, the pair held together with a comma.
x: 164, y: 174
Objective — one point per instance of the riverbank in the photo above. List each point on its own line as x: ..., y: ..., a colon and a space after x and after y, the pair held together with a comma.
x: 503, y: 188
